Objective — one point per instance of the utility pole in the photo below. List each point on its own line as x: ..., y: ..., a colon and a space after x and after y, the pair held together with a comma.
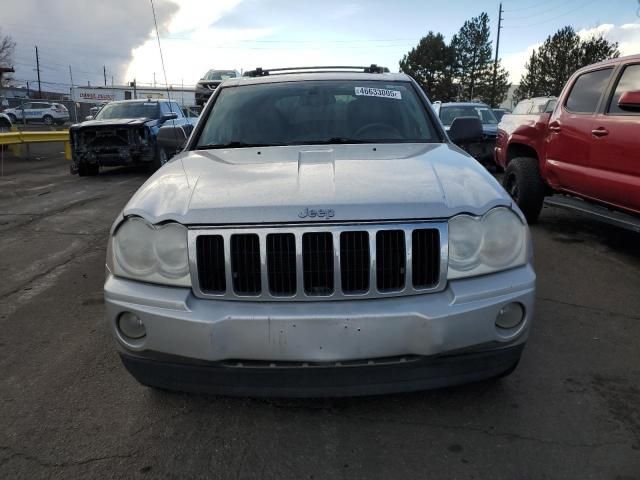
x: 104, y: 73
x: 154, y: 79
x: 75, y: 108
x: 495, y: 63
x: 38, y: 68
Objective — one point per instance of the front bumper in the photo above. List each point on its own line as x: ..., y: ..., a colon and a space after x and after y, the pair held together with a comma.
x: 334, y: 380
x: 205, y: 335
x: 114, y: 156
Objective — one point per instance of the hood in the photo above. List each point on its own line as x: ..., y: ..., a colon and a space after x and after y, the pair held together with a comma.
x: 115, y: 122
x: 357, y: 182
x: 209, y: 84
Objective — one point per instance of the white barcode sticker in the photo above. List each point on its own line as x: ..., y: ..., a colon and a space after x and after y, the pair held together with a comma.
x: 378, y: 92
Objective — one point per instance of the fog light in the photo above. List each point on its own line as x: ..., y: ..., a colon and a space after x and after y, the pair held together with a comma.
x: 131, y: 326
x: 510, y: 316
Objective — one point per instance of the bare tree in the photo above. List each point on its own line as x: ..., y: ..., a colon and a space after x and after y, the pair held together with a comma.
x: 7, y: 48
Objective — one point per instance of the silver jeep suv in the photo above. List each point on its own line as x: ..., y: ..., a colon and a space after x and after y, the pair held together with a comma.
x: 320, y: 235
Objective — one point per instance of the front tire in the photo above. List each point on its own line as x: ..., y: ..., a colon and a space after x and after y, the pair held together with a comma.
x: 524, y: 183
x: 88, y: 170
x: 12, y: 117
x: 48, y: 120
x: 159, y: 159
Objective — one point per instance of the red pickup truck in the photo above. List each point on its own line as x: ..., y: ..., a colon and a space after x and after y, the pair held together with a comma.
x: 585, y: 147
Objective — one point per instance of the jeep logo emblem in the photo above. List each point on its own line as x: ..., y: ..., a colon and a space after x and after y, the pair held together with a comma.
x: 324, y: 213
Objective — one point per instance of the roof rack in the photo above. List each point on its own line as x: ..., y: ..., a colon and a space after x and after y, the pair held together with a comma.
x: 260, y: 72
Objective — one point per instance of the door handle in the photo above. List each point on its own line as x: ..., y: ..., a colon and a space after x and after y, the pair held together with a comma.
x: 554, y: 127
x: 600, y: 132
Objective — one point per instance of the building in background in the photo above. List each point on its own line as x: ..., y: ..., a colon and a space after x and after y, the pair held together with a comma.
x: 98, y: 95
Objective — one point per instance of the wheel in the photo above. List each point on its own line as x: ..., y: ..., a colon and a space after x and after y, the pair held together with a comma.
x: 48, y: 120
x: 525, y: 185
x: 88, y: 170
x: 159, y: 159
x: 12, y: 117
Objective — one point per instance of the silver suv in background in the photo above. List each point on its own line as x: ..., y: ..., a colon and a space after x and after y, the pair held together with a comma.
x: 320, y: 235
x: 210, y: 81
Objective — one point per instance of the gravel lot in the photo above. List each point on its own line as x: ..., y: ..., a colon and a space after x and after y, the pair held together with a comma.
x: 68, y: 409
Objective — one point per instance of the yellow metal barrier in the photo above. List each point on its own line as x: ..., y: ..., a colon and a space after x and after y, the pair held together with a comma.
x: 18, y: 138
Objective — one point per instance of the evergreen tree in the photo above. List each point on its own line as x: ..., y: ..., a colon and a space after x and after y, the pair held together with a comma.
x: 474, y: 63
x: 562, y: 53
x: 430, y: 63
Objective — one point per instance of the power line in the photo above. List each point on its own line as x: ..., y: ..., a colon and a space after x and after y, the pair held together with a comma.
x: 543, y: 12
x: 529, y: 7
x: 554, y: 17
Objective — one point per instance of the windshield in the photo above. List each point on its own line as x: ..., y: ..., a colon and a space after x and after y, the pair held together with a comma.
x: 449, y: 114
x: 220, y: 74
x: 316, y: 112
x: 129, y: 110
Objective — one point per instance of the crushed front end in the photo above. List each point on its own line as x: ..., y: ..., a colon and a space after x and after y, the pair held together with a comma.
x: 111, y: 145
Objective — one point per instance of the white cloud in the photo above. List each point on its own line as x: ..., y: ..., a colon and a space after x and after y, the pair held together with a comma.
x: 197, y: 41
x: 190, y: 44
x: 627, y: 36
x: 515, y: 62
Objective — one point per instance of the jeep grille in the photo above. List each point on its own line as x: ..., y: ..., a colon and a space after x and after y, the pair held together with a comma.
x: 318, y: 262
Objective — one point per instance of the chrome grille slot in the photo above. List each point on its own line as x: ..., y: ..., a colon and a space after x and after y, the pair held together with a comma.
x: 211, y: 271
x: 425, y: 258
x: 391, y: 260
x: 317, y: 261
x: 245, y: 264
x: 355, y: 262
x: 281, y: 263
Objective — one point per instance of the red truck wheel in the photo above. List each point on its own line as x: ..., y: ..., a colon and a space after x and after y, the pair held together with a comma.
x: 525, y: 185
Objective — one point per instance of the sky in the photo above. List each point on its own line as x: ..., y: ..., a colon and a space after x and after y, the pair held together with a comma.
x: 198, y: 35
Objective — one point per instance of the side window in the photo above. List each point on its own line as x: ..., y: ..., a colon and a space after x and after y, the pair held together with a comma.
x: 551, y: 105
x: 629, y: 82
x: 587, y: 90
x: 26, y: 106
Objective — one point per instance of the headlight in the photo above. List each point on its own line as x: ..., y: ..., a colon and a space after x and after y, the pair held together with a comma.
x: 478, y: 245
x: 156, y: 254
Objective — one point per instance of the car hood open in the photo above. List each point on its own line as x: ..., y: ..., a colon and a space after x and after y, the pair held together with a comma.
x: 358, y: 182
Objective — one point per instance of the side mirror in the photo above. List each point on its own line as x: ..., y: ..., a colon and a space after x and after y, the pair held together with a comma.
x: 465, y: 130
x: 169, y: 116
x: 630, y: 101
x: 89, y: 117
x: 172, y: 139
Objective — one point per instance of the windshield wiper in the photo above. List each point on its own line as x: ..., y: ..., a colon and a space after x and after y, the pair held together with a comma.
x: 236, y: 144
